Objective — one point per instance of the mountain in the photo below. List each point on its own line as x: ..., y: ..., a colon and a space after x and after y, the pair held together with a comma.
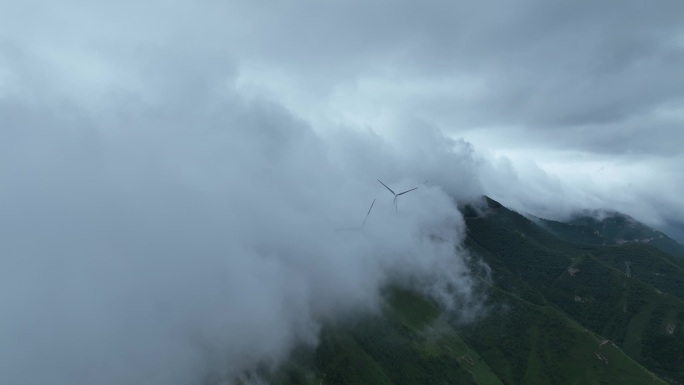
x: 611, y: 228
x: 586, y: 301
x: 638, y: 305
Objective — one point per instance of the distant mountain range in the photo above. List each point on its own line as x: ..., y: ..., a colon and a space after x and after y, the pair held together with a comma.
x: 610, y: 228
x: 595, y: 300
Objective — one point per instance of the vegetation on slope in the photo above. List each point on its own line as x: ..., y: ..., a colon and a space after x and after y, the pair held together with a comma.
x: 585, y: 282
x: 516, y: 343
x: 567, y: 305
x: 612, y: 228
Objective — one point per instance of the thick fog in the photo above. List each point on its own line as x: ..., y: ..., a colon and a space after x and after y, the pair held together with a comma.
x: 156, y: 241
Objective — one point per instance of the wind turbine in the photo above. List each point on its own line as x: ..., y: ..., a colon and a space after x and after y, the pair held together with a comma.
x: 364, y: 220
x: 395, y: 194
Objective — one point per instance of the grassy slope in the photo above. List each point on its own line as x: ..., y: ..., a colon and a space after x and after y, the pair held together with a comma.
x: 533, y: 344
x: 408, y: 344
x: 517, y: 343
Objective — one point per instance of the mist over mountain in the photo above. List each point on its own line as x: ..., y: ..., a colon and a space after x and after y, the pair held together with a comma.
x: 173, y: 173
x: 157, y: 244
x: 585, y: 301
x: 676, y: 230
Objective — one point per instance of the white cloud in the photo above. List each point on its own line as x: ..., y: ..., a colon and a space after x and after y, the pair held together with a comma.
x: 155, y: 235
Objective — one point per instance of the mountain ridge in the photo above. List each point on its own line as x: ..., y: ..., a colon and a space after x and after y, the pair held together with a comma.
x: 610, y: 228
x: 559, y: 311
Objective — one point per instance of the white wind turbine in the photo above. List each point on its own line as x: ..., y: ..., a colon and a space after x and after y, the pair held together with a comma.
x: 395, y: 194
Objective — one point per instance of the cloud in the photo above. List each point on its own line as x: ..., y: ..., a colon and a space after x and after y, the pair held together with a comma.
x: 646, y: 190
x: 175, y: 228
x: 542, y: 65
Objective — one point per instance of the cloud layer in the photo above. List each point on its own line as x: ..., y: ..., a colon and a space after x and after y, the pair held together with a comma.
x: 173, y: 172
x: 157, y: 239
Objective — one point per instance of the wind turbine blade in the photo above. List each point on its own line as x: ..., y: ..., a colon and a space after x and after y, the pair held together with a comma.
x: 371, y: 208
x: 368, y: 213
x: 415, y: 188
x: 395, y: 204
x: 387, y: 187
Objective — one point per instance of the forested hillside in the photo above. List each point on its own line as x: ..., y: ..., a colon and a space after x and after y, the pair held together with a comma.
x: 583, y: 302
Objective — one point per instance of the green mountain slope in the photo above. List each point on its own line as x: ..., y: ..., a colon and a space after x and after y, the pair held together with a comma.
x: 585, y: 283
x: 517, y: 343
x: 566, y: 306
x: 611, y: 228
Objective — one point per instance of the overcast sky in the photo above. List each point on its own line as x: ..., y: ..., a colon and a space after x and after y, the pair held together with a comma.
x: 173, y: 171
